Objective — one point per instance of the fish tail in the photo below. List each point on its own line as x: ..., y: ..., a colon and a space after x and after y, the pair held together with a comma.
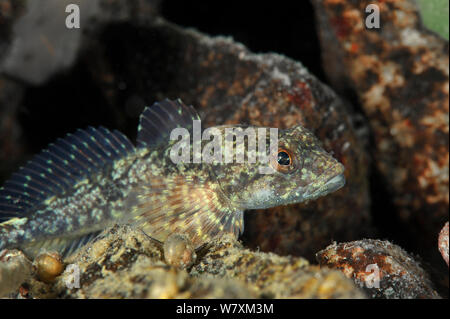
x: 25, y: 217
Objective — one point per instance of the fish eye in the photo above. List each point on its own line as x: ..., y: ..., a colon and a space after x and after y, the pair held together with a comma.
x: 283, y: 161
x: 283, y: 158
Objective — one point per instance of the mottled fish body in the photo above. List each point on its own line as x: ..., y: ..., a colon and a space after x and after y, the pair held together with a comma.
x: 95, y: 178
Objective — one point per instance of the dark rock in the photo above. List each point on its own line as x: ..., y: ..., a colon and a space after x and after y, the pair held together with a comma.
x: 15, y: 268
x: 40, y: 43
x: 12, y: 148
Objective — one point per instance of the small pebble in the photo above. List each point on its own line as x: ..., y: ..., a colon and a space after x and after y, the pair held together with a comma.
x: 48, y: 266
x: 179, y: 252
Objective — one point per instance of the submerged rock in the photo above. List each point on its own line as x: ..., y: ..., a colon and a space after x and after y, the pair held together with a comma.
x: 382, y: 269
x: 125, y: 263
x: 179, y: 251
x: 273, y: 276
x: 443, y: 242
x: 400, y: 74
x: 42, y: 44
x: 15, y: 268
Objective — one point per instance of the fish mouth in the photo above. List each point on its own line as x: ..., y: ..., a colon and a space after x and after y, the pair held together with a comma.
x: 333, y: 184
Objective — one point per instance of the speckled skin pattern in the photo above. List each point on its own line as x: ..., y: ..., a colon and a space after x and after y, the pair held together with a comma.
x: 145, y: 187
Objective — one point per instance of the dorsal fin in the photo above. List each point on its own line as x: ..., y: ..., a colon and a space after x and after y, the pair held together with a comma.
x: 58, y: 167
x: 157, y: 121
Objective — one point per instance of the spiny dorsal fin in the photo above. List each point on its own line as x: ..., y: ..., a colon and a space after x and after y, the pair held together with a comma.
x: 58, y: 167
x: 186, y: 206
x: 157, y: 121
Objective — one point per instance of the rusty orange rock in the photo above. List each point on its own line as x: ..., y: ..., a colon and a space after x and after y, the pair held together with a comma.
x: 400, y: 74
x: 382, y: 269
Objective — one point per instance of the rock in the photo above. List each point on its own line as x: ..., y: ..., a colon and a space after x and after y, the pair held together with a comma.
x: 400, y: 74
x: 12, y: 148
x: 443, y: 242
x: 15, y: 268
x: 36, y: 46
x: 41, y: 44
x: 48, y: 266
x: 273, y: 276
x: 179, y: 252
x: 382, y: 269
x: 125, y: 263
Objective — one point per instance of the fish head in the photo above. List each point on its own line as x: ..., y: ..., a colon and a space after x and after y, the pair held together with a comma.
x: 296, y: 169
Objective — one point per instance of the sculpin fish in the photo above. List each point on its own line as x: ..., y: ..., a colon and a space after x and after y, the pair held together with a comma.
x: 95, y: 178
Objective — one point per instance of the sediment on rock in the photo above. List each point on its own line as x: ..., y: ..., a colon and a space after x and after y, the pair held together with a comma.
x: 125, y: 263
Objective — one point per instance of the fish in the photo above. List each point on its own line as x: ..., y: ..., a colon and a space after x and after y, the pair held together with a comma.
x: 95, y: 178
